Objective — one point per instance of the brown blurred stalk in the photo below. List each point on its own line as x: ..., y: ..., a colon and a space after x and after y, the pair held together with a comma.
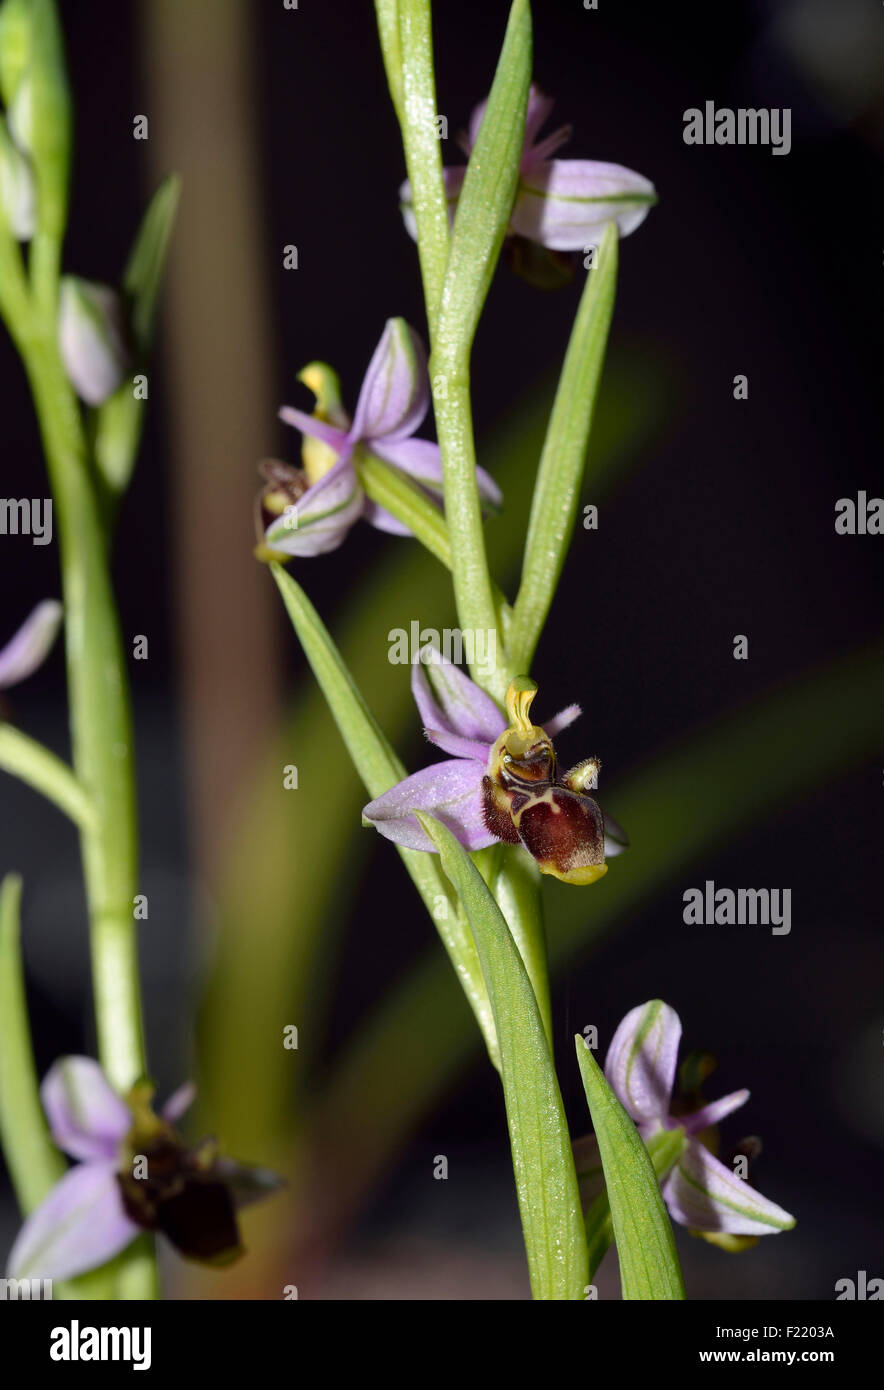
x: 198, y: 59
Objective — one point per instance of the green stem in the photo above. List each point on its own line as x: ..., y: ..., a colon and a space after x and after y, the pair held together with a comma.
x: 473, y: 589
x: 101, y: 736
x: 28, y: 760
x: 415, y: 103
x: 101, y: 727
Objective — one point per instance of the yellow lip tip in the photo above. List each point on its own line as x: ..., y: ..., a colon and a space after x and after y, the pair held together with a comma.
x: 590, y: 873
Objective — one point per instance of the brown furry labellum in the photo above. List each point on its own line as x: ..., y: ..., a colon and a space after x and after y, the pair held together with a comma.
x: 526, y: 802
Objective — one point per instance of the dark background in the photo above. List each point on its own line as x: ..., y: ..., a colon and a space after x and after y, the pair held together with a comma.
x: 751, y: 263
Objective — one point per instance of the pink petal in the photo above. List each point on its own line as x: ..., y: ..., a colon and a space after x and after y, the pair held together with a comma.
x: 704, y: 1195
x: 30, y: 646
x: 86, y: 1116
x: 451, y: 791
x: 422, y: 461
x: 80, y: 1225
x: 179, y: 1102
x: 565, y: 203
x: 320, y: 519
x: 452, y: 703
x: 395, y: 394
x: 458, y: 746
x: 316, y: 429
x: 382, y: 520
x: 641, y: 1060
x: 562, y: 720
x: 712, y: 1113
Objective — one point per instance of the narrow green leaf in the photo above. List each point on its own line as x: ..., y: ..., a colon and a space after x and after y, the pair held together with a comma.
x: 15, y: 46
x: 489, y: 189
x: 379, y: 768
x: 28, y: 760
x: 387, y: 12
x: 147, y: 260
x: 543, y: 1163
x: 514, y: 879
x: 35, y: 1164
x: 649, y: 1267
x: 664, y: 1149
x: 557, y: 491
x: 49, y: 119
x: 423, y: 150
x: 117, y: 424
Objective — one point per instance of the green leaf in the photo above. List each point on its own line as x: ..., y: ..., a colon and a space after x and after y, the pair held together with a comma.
x: 380, y: 769
x: 546, y: 1183
x: 51, y: 116
x: 28, y: 760
x: 664, y: 1149
x: 489, y: 189
x: 387, y: 12
x: 147, y: 260
x: 35, y: 1164
x: 649, y: 1267
x: 15, y: 45
x: 117, y: 424
x: 556, y: 493
x: 423, y: 157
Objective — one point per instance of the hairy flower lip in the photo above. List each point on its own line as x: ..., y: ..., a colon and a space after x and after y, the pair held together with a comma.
x: 100, y: 1204
x: 462, y: 720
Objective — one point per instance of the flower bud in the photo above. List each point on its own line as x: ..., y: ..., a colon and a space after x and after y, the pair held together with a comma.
x: 15, y: 45
x: 18, y: 196
x: 92, y: 338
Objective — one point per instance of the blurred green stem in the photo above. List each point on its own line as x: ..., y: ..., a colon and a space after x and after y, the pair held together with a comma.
x: 100, y: 718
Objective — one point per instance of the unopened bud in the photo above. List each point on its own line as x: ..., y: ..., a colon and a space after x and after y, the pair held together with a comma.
x: 18, y: 197
x: 92, y: 338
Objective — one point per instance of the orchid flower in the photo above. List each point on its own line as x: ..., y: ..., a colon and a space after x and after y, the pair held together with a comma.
x: 132, y: 1174
x: 700, y: 1192
x: 30, y: 646
x: 562, y: 204
x: 316, y: 506
x: 501, y: 782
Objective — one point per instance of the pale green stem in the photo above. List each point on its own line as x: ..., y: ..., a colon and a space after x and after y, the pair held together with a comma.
x: 416, y: 107
x: 100, y: 717
x: 28, y: 760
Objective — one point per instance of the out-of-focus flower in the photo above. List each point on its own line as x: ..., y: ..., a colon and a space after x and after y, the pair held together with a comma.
x: 700, y: 1192
x: 501, y: 781
x: 18, y: 192
x: 562, y: 204
x: 93, y: 339
x: 132, y: 1174
x: 315, y: 506
x: 30, y: 646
